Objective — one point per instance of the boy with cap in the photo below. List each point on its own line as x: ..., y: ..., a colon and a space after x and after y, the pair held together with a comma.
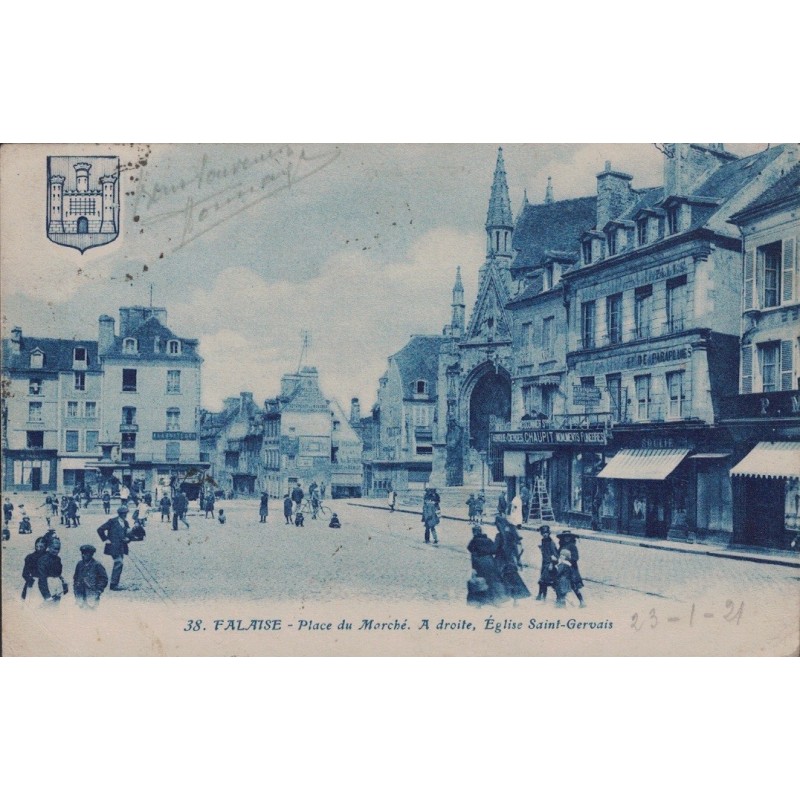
x: 567, y: 543
x: 51, y: 584
x: 90, y: 578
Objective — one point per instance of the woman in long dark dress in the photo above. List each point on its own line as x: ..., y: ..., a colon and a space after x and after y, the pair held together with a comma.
x: 507, y: 544
x: 483, y: 549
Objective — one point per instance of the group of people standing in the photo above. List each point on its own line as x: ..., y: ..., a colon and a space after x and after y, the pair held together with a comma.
x: 496, y: 564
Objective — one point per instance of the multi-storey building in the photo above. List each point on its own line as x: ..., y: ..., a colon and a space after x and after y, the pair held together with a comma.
x: 347, y: 472
x: 231, y: 441
x: 765, y: 416
x: 407, y: 396
x: 151, y: 400
x: 51, y: 412
x: 297, y: 434
x: 651, y: 321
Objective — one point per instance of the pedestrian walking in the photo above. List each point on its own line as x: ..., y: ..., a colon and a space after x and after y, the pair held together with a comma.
x: 73, y: 513
x: 208, y: 505
x: 507, y: 559
x: 485, y: 585
x: 8, y: 511
x: 165, y: 504
x: 502, y: 504
x: 30, y: 568
x: 471, y: 507
x: 392, y: 499
x: 322, y: 490
x: 525, y: 497
x: 180, y: 505
x: 114, y: 533
x: 90, y: 578
x: 124, y: 493
x: 297, y: 496
x: 547, y: 573
x: 430, y: 519
x: 480, y: 504
x: 287, y: 509
x: 64, y: 518
x: 52, y: 585
x: 568, y: 543
x: 106, y: 501
x: 263, y: 508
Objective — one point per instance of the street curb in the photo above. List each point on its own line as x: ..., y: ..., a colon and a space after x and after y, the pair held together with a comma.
x: 754, y: 558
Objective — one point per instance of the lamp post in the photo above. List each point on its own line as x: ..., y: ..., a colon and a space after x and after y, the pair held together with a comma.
x: 483, y: 472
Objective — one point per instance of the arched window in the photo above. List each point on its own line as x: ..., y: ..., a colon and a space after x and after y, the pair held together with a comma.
x: 130, y: 346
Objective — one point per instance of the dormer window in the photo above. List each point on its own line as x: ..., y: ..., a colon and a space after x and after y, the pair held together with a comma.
x: 420, y: 387
x: 37, y: 359
x: 587, y: 251
x: 174, y: 347
x: 80, y: 358
x: 641, y: 231
x: 547, y: 278
x: 672, y: 220
x: 611, y: 238
x: 130, y: 347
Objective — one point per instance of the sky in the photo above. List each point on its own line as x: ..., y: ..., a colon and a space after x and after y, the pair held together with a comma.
x: 249, y: 245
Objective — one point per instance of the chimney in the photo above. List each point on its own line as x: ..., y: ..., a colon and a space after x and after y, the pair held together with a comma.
x: 246, y: 399
x: 105, y: 337
x: 16, y: 341
x: 614, y: 195
x: 355, y: 412
x: 686, y: 166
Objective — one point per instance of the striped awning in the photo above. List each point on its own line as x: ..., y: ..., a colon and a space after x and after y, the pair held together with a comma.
x: 643, y: 465
x: 770, y: 460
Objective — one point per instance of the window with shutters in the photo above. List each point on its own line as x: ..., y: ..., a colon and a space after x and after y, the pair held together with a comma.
x: 789, y: 254
x: 547, y: 336
x: 676, y: 304
x: 526, y: 345
x: 786, y: 365
x: 614, y: 389
x: 642, y: 311
x: 587, y: 325
x: 675, y: 394
x: 747, y: 369
x: 769, y: 274
x: 642, y: 397
x: 71, y: 441
x: 614, y: 318
x: 768, y: 365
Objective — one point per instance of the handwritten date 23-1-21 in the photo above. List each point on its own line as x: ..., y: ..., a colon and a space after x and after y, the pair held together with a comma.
x: 732, y: 614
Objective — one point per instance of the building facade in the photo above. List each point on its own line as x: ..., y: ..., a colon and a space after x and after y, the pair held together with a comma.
x: 51, y: 405
x: 630, y: 436
x: 151, y: 400
x: 764, y: 417
x: 231, y: 441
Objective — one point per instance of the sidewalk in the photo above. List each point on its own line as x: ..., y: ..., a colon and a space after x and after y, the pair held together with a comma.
x: 775, y: 557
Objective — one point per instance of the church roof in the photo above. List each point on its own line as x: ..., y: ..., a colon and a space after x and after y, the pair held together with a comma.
x: 499, y: 214
x: 58, y: 354
x: 551, y: 226
x: 419, y: 361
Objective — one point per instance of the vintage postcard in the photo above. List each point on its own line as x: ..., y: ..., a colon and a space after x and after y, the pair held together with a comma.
x: 483, y: 399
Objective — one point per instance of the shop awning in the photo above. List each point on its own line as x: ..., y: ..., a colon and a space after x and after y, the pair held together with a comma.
x: 643, y: 465
x: 709, y: 455
x: 539, y: 455
x: 770, y: 460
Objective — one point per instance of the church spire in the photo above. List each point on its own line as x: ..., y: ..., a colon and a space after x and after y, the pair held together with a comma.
x: 548, y: 192
x: 457, y: 322
x: 499, y: 223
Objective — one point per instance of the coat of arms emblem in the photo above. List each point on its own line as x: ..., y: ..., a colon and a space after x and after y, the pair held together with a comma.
x: 82, y: 200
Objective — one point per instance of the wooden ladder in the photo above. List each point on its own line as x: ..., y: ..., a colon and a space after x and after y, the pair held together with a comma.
x: 540, y: 508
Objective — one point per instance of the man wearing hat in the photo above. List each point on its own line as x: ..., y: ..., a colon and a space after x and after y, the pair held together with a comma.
x: 90, y: 578
x: 549, y: 558
x: 115, y: 534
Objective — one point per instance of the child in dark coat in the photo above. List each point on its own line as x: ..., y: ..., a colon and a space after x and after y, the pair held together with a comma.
x: 568, y: 543
x: 334, y: 523
x: 287, y: 509
x: 299, y: 519
x: 549, y: 558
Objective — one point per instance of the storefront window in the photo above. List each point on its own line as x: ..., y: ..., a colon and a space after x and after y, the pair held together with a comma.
x: 608, y: 506
x: 585, y: 467
x: 639, y: 504
x: 680, y: 491
x: 714, y: 500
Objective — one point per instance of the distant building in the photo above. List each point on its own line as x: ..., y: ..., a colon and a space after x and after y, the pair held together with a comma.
x: 347, y: 472
x: 50, y: 413
x: 407, y: 397
x: 765, y: 417
x: 231, y: 441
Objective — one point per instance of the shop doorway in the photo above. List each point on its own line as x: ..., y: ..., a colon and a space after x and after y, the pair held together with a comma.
x: 649, y: 509
x: 36, y: 478
x: 764, y: 512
